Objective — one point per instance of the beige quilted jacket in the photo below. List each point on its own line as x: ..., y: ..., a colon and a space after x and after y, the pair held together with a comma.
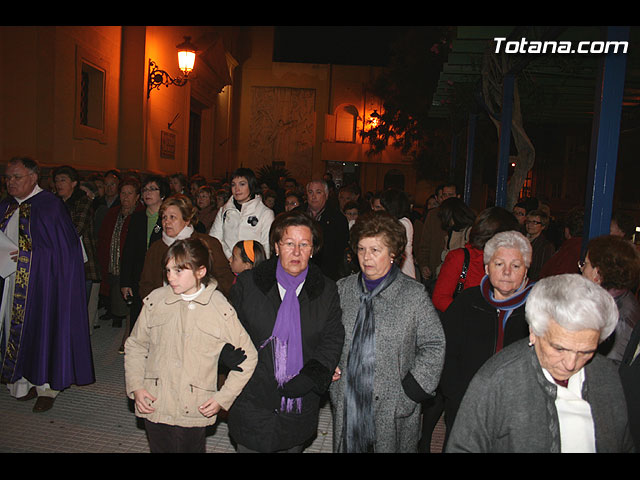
x: 173, y: 353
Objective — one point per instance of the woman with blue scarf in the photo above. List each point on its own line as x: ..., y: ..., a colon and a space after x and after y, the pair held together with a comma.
x: 484, y: 319
x: 393, y: 350
x: 292, y: 313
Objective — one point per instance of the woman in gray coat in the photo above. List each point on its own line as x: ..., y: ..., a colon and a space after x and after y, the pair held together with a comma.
x: 394, y: 346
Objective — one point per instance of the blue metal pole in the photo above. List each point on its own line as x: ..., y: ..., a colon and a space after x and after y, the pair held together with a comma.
x: 603, y: 156
x: 471, y: 139
x: 454, y: 154
x: 505, y: 139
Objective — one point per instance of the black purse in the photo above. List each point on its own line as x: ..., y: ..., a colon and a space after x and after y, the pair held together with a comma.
x: 463, y: 274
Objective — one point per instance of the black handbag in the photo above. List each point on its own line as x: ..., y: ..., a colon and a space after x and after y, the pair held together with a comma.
x: 463, y: 274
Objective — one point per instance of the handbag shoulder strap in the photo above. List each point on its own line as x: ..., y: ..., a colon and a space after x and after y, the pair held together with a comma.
x: 465, y: 266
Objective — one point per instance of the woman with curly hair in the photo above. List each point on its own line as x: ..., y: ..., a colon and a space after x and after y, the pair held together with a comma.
x: 613, y: 263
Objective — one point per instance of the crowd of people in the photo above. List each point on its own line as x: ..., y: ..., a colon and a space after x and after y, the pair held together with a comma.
x: 263, y: 301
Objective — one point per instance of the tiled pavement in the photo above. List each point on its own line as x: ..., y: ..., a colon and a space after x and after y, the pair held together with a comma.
x: 99, y: 418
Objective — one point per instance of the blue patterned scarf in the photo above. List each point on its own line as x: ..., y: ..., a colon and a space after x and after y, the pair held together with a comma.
x: 359, y: 424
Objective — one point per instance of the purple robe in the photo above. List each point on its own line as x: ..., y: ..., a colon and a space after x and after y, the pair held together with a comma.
x: 49, y: 336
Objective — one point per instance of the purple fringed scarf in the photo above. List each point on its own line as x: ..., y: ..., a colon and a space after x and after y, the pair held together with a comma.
x: 287, y: 336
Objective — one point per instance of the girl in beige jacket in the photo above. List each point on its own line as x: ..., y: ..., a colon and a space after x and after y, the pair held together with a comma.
x: 172, y: 354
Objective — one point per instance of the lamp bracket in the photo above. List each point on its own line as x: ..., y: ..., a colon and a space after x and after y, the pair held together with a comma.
x: 158, y: 77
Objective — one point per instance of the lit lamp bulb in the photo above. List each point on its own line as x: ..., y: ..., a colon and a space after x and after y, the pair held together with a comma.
x: 374, y: 119
x: 186, y: 56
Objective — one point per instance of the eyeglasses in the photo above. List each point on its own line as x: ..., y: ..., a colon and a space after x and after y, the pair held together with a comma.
x: 304, y: 246
x: 532, y: 222
x: 149, y: 189
x: 16, y: 177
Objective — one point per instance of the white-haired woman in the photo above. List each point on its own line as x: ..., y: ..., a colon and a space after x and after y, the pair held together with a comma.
x: 554, y: 393
x: 484, y: 319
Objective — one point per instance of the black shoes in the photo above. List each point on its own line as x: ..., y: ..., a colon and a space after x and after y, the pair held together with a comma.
x: 42, y: 403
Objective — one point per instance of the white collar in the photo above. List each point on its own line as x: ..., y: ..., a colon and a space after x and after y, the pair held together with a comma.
x: 34, y: 192
x: 188, y: 298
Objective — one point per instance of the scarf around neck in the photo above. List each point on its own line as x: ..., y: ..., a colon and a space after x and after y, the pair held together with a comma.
x: 359, y: 427
x: 506, y: 306
x: 287, y: 336
x: 184, y: 233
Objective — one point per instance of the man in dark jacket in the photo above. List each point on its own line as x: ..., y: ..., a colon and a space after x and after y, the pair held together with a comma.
x: 334, y: 226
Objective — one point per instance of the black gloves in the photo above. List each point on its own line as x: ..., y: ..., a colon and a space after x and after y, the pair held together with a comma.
x: 298, y: 386
x: 413, y: 390
x: 231, y: 357
x: 313, y: 376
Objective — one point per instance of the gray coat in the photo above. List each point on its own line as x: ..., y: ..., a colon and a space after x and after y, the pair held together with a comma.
x: 509, y: 407
x: 408, y: 339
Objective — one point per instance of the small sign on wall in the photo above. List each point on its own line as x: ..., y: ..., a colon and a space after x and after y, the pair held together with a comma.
x: 167, y: 145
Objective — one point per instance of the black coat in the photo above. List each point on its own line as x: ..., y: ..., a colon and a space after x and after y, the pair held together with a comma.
x: 133, y: 254
x: 254, y: 419
x: 471, y: 331
x: 335, y: 239
x: 630, y: 378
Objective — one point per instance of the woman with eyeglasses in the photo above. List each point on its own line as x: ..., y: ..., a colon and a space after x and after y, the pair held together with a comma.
x: 145, y: 227
x: 394, y: 346
x: 542, y: 249
x: 292, y: 314
x: 614, y: 263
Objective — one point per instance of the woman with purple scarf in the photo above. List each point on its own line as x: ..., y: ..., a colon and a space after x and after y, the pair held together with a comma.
x: 484, y: 319
x: 292, y: 313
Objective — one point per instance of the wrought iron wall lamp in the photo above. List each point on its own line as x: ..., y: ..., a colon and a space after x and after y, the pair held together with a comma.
x: 186, y: 60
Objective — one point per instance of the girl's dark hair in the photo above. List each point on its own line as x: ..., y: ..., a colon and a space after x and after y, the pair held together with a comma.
x: 455, y: 214
x: 258, y: 252
x: 489, y: 222
x: 251, y: 179
x: 191, y: 253
x: 396, y: 202
x: 294, y: 218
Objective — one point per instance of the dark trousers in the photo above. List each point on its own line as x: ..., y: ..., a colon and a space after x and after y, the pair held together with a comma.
x: 174, y: 439
x: 296, y: 449
x: 432, y: 410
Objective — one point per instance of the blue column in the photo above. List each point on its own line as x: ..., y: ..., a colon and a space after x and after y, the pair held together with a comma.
x: 454, y: 154
x: 605, y: 135
x: 505, y: 139
x: 471, y: 140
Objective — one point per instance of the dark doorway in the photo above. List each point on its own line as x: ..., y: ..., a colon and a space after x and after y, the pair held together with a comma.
x: 195, y: 124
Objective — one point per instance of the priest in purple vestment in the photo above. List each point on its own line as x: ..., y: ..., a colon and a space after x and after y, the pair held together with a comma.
x: 44, y: 327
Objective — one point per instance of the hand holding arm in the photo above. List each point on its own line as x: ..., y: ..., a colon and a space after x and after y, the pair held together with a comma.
x: 143, y: 400
x: 231, y: 357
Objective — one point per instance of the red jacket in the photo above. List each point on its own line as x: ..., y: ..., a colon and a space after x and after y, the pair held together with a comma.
x: 450, y: 273
x: 565, y: 260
